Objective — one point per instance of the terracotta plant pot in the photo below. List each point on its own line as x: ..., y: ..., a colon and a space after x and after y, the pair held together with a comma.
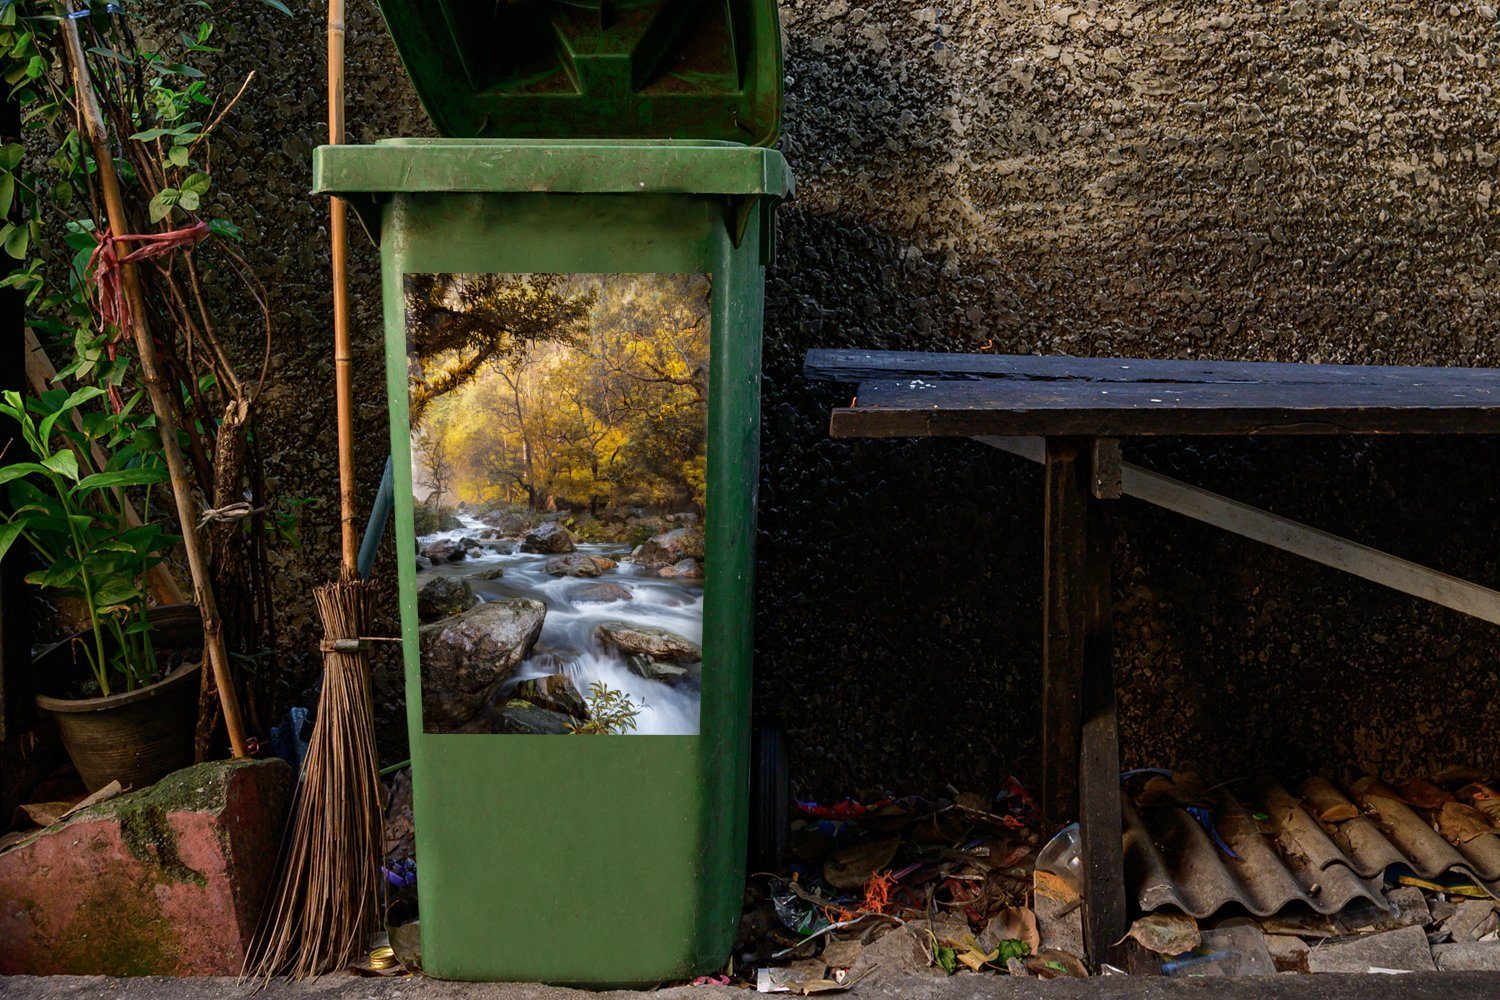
x: 139, y: 736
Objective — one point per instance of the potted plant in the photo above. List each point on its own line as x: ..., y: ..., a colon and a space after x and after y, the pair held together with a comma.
x: 121, y: 691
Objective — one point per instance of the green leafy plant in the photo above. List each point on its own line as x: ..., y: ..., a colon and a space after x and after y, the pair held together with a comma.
x: 77, y: 521
x: 611, y: 712
x: 164, y: 100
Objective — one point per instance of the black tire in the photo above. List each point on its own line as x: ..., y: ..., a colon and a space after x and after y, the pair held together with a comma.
x: 770, y: 798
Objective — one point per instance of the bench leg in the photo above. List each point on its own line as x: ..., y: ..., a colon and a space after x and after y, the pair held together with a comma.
x: 1064, y: 618
x: 1104, y: 905
x: 1080, y: 737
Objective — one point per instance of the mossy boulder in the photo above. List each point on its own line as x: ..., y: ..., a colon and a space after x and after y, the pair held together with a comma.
x: 548, y: 538
x: 467, y: 657
x: 167, y: 881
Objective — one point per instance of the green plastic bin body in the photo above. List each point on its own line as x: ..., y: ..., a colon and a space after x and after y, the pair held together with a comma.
x: 616, y: 860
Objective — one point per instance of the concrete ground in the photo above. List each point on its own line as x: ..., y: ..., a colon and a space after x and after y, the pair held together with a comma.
x: 1417, y: 986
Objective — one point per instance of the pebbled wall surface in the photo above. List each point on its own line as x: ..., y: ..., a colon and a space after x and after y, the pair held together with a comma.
x: 1300, y: 181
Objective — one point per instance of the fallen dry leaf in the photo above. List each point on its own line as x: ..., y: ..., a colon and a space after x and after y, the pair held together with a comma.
x: 1423, y: 794
x: 1339, y: 812
x: 1484, y: 798
x: 1014, y: 923
x: 45, y: 813
x: 104, y: 794
x: 1460, y: 824
x: 1053, y: 964
x: 1326, y: 802
x: 1166, y: 933
x: 851, y: 867
x: 48, y: 813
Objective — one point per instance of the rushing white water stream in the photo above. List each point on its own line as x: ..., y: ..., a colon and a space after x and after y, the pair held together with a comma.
x: 567, y: 644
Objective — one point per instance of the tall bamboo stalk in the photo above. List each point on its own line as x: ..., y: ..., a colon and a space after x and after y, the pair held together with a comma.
x: 156, y: 388
x: 327, y: 900
x: 343, y: 359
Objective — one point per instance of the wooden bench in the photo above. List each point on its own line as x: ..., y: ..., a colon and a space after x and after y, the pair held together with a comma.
x: 1069, y: 414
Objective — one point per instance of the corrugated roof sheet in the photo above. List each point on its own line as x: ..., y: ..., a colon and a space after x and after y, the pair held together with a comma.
x: 1325, y: 849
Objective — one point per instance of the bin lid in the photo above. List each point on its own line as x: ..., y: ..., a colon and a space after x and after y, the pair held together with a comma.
x: 564, y: 69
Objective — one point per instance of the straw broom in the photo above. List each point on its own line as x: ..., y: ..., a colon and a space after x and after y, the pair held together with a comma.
x: 328, y: 899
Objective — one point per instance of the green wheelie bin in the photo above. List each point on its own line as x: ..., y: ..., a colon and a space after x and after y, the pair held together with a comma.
x: 573, y: 283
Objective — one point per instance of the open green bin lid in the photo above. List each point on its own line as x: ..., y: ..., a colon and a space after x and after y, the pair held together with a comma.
x: 569, y: 69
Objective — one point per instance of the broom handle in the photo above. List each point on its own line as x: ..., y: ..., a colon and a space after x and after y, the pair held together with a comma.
x: 161, y: 403
x: 343, y: 360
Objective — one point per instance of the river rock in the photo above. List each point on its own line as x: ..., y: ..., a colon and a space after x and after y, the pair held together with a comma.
x: 498, y: 546
x: 683, y: 569
x: 444, y: 550
x: 669, y: 547
x: 556, y: 693
x: 575, y: 564
x: 469, y: 544
x: 443, y: 596
x: 466, y: 657
x: 550, y: 537
x: 522, y: 717
x: 648, y: 640
x: 423, y: 563
x: 493, y: 573
x: 599, y: 593
x: 508, y: 522
x: 655, y: 670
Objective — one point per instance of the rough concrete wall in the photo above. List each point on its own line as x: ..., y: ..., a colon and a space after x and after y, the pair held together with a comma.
x: 1306, y: 181
x: 1275, y: 181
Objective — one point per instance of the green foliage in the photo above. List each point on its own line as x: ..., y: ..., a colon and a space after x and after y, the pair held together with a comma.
x: 164, y: 101
x: 605, y: 406
x: 611, y: 712
x: 162, y: 111
x: 76, y: 520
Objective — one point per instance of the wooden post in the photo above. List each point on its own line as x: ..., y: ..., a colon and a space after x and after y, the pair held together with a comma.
x: 1100, y: 825
x: 1064, y: 622
x: 1080, y: 737
x: 343, y: 355
x: 156, y: 388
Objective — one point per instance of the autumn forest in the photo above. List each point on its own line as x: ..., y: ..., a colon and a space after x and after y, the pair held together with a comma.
x: 554, y: 391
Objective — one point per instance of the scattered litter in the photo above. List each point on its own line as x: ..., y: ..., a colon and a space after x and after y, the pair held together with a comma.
x: 1238, y: 950
x: 886, y: 886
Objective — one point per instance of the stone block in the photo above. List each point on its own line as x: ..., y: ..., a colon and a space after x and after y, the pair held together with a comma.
x: 166, y: 881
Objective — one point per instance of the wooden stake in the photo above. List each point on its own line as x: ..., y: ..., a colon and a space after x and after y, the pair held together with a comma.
x: 343, y: 359
x: 161, y: 401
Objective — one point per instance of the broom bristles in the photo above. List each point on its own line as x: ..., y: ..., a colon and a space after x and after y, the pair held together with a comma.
x: 327, y: 896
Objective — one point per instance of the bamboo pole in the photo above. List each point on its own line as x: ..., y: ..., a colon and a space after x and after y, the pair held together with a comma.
x: 343, y: 360
x: 40, y: 372
x: 161, y: 401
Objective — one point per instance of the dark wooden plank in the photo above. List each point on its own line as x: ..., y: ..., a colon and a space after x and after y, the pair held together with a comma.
x: 923, y: 408
x: 1064, y: 622
x: 1101, y: 828
x: 863, y: 366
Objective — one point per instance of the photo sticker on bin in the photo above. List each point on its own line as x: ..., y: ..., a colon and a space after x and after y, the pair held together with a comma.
x: 559, y: 467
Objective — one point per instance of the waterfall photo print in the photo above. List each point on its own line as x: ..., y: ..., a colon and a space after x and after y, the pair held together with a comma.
x: 558, y: 444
